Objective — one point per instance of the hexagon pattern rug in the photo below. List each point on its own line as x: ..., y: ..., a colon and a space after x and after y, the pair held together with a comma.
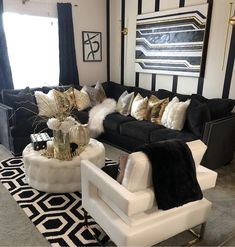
x: 58, y: 217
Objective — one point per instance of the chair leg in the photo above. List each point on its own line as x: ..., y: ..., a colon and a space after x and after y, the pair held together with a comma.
x: 199, y: 236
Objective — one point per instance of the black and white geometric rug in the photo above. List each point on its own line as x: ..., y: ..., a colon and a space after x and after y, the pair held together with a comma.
x: 59, y: 217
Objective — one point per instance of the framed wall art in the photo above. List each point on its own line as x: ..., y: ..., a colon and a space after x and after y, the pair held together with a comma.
x: 92, y: 46
x: 171, y: 41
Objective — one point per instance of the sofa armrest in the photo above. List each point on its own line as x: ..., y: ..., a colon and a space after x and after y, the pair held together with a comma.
x: 6, y: 122
x: 219, y: 136
x: 96, y: 182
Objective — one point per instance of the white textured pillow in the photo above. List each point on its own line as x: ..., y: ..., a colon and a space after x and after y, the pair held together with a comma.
x: 82, y: 99
x: 167, y: 110
x: 177, y: 114
x: 46, y: 103
x: 138, y: 172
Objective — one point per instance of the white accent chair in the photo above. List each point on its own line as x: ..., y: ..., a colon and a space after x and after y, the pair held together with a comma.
x: 128, y: 212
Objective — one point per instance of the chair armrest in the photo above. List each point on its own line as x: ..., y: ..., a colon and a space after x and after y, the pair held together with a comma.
x: 219, y: 136
x: 6, y: 122
x: 96, y: 182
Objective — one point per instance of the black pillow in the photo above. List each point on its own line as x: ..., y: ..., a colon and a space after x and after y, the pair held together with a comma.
x: 23, y: 103
x: 162, y: 94
x: 220, y: 108
x: 197, y: 115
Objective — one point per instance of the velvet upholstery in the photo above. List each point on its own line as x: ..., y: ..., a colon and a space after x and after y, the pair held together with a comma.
x: 114, y: 120
x: 141, y: 130
x: 162, y: 134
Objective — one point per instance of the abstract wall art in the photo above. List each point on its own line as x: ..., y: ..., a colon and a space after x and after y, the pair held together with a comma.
x: 171, y: 41
x: 92, y: 46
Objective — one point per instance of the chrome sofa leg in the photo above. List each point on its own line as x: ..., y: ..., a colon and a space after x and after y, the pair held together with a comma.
x: 198, y: 236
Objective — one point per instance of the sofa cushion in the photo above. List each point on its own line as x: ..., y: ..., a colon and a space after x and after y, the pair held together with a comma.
x: 165, y: 134
x: 162, y: 94
x: 114, y: 120
x: 81, y: 116
x: 23, y: 103
x: 114, y: 90
x: 182, y: 97
x: 143, y: 92
x: 140, y: 130
x: 197, y: 115
x: 29, y: 125
x: 219, y: 108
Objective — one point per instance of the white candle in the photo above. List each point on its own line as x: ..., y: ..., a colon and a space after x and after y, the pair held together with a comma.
x: 50, y: 147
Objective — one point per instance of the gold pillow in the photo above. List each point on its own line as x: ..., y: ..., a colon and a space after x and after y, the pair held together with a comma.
x: 139, y: 107
x: 157, y: 108
x: 82, y: 100
x: 151, y: 102
x: 65, y: 100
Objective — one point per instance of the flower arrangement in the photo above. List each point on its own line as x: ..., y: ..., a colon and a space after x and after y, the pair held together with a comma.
x: 64, y: 125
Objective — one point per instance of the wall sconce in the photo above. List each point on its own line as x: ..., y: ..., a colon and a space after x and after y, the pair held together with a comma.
x: 232, y: 20
x: 124, y: 31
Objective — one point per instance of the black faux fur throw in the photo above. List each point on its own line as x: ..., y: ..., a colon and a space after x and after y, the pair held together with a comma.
x: 173, y: 173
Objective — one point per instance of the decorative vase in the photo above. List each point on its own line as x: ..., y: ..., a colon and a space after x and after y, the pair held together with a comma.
x: 80, y: 135
x: 61, y: 145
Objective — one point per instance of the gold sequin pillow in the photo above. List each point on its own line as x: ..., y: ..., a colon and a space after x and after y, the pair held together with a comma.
x: 139, y: 107
x: 156, y: 109
x: 82, y: 100
x: 65, y: 100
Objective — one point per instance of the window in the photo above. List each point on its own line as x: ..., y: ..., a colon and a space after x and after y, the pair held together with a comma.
x: 33, y: 49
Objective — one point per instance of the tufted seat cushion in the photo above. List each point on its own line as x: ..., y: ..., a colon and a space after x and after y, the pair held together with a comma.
x: 114, y: 120
x: 140, y: 130
x: 166, y: 134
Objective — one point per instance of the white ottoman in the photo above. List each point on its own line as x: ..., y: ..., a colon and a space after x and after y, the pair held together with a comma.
x: 57, y: 176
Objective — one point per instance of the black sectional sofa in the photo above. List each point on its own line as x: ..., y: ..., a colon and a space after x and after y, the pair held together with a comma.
x: 126, y: 132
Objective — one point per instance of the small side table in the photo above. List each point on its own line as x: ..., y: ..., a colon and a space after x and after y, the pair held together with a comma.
x: 58, y: 176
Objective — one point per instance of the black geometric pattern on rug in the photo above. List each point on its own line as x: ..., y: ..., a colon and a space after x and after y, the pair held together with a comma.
x: 58, y: 217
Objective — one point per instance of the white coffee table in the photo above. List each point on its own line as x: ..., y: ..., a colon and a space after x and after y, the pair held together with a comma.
x: 57, y: 176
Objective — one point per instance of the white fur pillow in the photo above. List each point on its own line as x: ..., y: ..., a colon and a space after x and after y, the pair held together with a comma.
x: 46, y: 103
x: 176, y: 116
x: 167, y: 110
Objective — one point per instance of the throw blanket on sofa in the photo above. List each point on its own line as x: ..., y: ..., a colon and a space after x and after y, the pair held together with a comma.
x: 173, y: 173
x: 97, y: 115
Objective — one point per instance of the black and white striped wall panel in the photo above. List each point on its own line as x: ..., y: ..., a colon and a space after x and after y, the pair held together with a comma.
x: 217, y: 81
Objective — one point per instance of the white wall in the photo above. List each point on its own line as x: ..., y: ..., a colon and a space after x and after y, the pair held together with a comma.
x: 214, y: 74
x: 88, y: 15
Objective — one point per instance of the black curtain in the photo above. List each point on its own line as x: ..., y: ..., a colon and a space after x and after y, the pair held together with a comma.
x: 68, y: 63
x: 5, y: 69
